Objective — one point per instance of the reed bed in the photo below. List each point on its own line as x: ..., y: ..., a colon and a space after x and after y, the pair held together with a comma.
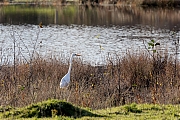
x: 124, y: 79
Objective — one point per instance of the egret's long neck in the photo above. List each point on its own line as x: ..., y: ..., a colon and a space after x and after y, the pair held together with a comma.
x: 70, y: 64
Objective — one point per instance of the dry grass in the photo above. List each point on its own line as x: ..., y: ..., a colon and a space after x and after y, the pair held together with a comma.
x: 132, y: 78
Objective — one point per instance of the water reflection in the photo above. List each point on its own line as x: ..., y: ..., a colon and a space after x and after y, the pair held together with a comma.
x: 23, y: 14
x: 90, y: 15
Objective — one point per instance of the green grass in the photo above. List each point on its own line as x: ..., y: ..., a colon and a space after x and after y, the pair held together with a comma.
x: 61, y: 110
x: 49, y: 108
x: 142, y: 111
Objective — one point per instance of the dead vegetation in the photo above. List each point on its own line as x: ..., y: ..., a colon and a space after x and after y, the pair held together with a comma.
x: 133, y: 78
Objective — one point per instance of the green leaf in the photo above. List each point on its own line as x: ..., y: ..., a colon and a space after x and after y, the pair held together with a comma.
x: 151, y: 44
x: 153, y: 41
x: 154, y: 51
x: 22, y: 87
x: 134, y: 85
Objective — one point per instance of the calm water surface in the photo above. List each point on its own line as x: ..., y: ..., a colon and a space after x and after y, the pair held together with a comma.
x: 94, y: 32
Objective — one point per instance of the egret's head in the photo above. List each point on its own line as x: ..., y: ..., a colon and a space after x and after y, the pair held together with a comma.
x: 78, y: 55
x: 75, y: 54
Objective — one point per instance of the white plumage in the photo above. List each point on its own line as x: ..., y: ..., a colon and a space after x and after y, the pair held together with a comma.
x: 66, y: 79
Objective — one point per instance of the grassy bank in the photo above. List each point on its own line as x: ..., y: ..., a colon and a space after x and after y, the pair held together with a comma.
x: 61, y: 110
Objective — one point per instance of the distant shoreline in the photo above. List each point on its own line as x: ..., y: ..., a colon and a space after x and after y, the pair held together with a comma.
x: 142, y: 3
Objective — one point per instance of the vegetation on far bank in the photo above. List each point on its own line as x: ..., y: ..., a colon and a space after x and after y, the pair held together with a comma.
x: 147, y: 3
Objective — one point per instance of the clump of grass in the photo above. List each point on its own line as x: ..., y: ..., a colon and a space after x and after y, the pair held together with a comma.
x: 156, y: 108
x: 5, y: 108
x: 132, y: 108
x: 153, y: 107
x: 49, y: 108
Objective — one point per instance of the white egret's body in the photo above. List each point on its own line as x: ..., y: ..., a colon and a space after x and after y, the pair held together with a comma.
x: 66, y: 79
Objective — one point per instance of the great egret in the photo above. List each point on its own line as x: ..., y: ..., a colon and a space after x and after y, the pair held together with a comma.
x: 66, y: 79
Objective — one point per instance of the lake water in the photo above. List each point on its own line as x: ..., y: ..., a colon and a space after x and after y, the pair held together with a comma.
x: 95, y: 32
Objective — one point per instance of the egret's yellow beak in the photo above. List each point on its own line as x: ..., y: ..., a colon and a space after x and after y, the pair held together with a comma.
x: 78, y: 55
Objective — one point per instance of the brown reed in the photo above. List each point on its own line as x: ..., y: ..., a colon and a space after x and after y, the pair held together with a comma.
x: 131, y: 78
